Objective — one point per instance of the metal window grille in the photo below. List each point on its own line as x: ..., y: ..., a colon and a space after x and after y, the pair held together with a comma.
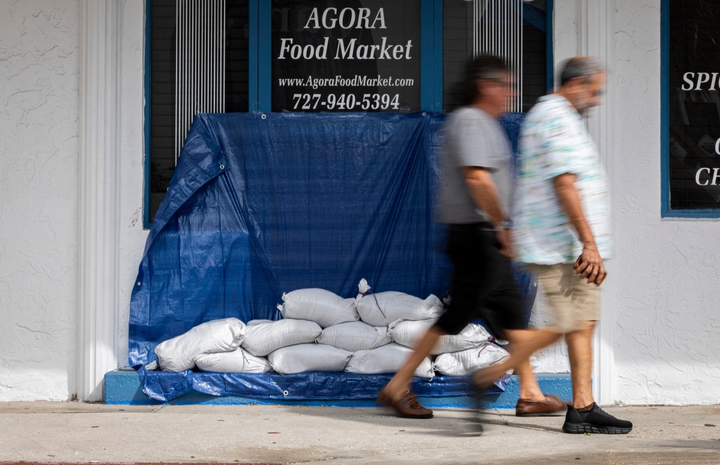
x: 199, y: 63
x: 498, y: 29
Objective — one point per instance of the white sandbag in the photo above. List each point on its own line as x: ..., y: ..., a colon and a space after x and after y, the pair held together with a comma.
x: 386, y: 359
x: 318, y: 305
x: 308, y: 357
x: 408, y: 333
x: 237, y: 361
x: 264, y: 338
x: 258, y: 322
x: 469, y: 361
x: 383, y: 308
x: 354, y: 336
x: 179, y: 353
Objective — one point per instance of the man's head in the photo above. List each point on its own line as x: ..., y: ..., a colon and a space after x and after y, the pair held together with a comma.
x: 487, y: 83
x: 582, y: 82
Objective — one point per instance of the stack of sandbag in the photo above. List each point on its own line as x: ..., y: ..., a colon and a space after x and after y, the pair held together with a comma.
x: 408, y: 334
x: 457, y: 355
x: 262, y: 337
x: 237, y: 361
x: 181, y: 352
x: 323, y: 309
x: 386, y: 359
x: 354, y: 336
x: 383, y: 308
x: 377, y: 312
x: 468, y: 361
x: 320, y: 331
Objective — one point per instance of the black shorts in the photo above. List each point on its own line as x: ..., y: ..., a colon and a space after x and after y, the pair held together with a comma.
x: 483, y: 284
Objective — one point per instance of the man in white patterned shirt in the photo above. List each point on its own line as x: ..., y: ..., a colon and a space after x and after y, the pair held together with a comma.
x: 562, y: 233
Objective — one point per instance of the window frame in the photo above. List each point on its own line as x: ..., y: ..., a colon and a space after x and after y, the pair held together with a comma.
x: 666, y: 211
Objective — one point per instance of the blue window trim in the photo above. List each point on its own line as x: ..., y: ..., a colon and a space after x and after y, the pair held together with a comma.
x: 431, y: 55
x: 549, y: 50
x: 264, y: 63
x: 147, y: 81
x: 666, y: 211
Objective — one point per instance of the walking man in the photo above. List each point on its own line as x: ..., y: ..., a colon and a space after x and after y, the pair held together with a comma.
x: 562, y: 233
x: 476, y: 193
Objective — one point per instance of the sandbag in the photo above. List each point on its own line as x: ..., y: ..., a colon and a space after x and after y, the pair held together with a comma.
x: 383, y: 308
x: 258, y: 322
x: 469, y: 361
x: 179, y: 353
x: 237, y: 361
x: 354, y: 336
x: 308, y: 357
x: 263, y: 338
x: 318, y: 305
x: 408, y: 334
x: 386, y: 359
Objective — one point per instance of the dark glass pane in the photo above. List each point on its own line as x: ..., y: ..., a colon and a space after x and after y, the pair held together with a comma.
x: 162, y: 84
x: 694, y: 162
x: 162, y: 99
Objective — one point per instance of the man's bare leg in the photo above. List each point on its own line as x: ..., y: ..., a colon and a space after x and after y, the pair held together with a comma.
x: 580, y: 353
x: 400, y: 383
x: 529, y: 387
x: 524, y: 343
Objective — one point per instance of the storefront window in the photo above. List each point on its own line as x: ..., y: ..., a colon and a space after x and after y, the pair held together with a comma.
x: 691, y: 99
x: 399, y: 56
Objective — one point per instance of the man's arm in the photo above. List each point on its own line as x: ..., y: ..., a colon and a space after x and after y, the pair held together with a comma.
x: 590, y: 262
x: 485, y: 195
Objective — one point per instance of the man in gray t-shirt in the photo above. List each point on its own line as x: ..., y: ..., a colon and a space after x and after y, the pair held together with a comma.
x: 476, y: 192
x: 473, y: 138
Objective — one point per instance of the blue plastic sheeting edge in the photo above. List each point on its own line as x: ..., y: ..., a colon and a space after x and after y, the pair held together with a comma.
x: 124, y: 388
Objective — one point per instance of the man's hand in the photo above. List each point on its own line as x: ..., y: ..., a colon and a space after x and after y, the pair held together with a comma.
x: 503, y: 235
x: 590, y: 265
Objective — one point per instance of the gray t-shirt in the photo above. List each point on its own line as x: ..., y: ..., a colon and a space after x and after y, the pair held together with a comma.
x: 473, y: 138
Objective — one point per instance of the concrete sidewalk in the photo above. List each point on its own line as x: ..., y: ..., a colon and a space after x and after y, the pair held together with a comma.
x: 77, y: 432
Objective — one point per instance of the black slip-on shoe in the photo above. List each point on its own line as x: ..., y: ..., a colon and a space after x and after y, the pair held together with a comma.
x: 595, y: 421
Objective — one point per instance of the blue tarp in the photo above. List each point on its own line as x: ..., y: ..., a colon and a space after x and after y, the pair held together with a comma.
x: 265, y: 204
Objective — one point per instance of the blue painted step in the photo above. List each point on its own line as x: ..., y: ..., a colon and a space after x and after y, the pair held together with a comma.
x: 123, y: 387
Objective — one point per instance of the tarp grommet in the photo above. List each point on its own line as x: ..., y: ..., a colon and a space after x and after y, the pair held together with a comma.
x: 286, y: 393
x: 424, y: 114
x: 222, y: 167
x: 263, y: 116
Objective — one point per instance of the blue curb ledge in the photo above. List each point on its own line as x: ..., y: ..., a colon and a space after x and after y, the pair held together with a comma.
x: 124, y: 388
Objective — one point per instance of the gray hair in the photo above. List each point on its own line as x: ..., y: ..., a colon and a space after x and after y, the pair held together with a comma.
x: 580, y: 67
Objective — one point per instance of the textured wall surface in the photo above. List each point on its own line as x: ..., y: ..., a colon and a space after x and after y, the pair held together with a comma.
x: 667, y: 325
x: 132, y: 235
x: 38, y: 198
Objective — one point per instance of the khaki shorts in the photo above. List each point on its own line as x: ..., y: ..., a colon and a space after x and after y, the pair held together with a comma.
x: 572, y: 300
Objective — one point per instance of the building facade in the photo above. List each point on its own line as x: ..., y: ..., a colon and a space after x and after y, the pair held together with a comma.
x: 74, y: 200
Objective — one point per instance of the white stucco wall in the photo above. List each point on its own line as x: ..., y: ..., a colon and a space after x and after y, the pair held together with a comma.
x: 667, y: 329
x: 132, y: 235
x: 39, y: 42
x: 663, y: 325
